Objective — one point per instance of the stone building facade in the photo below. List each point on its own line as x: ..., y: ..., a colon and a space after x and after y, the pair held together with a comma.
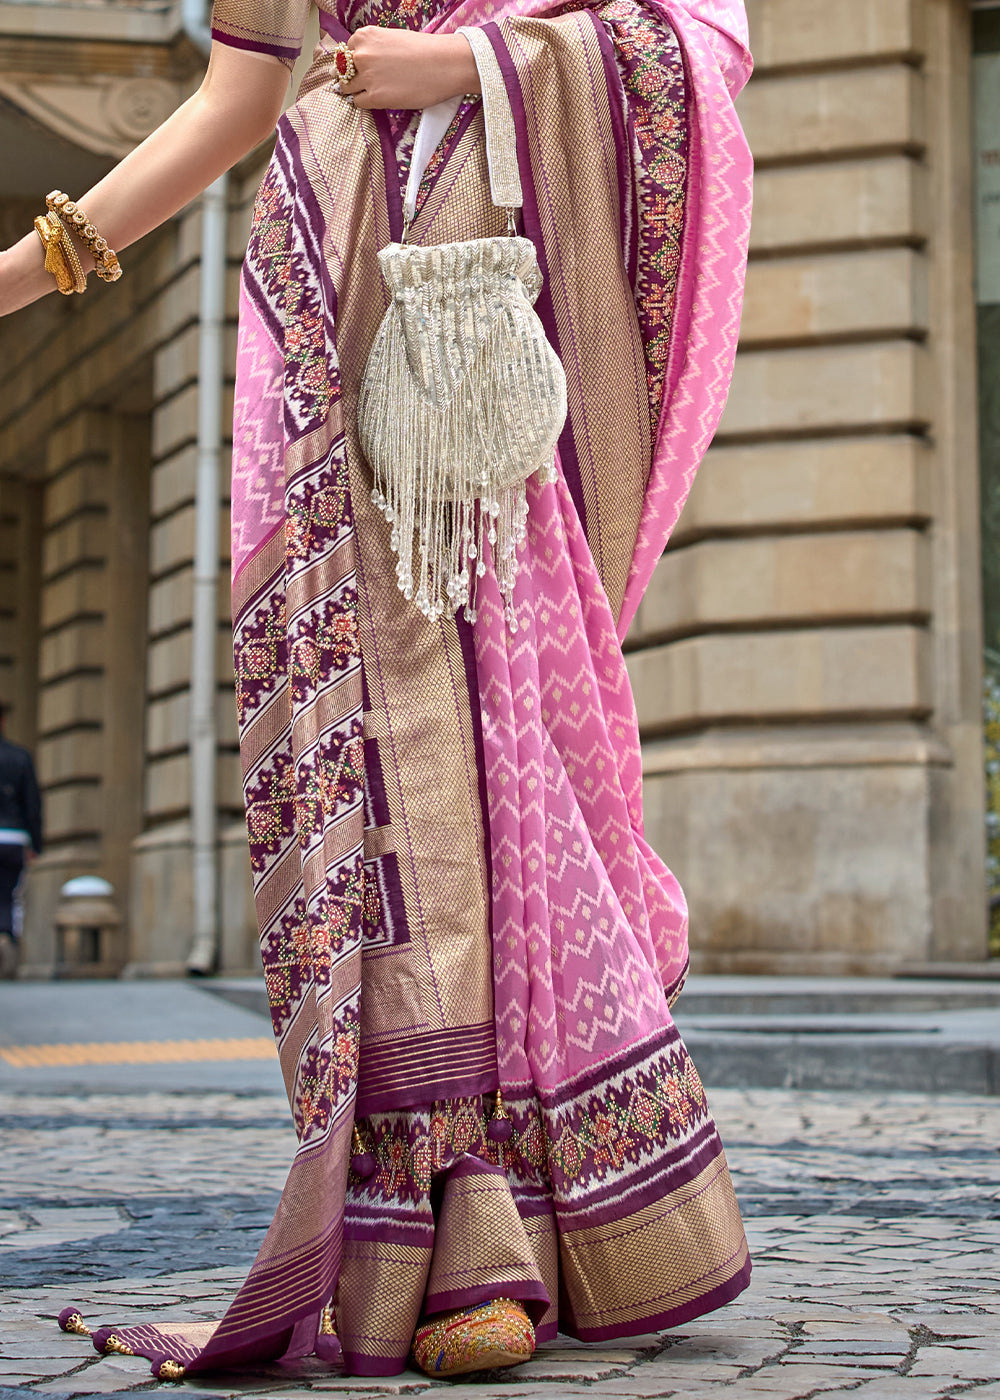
x: 808, y: 664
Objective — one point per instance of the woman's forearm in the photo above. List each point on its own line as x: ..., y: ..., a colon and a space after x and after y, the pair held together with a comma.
x: 236, y: 107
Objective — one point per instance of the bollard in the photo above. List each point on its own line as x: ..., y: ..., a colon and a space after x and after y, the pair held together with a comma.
x: 87, y: 925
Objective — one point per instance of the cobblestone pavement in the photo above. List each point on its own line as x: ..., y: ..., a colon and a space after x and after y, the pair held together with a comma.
x: 874, y: 1223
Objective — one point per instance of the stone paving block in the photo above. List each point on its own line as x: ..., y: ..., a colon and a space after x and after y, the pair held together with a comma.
x: 350, y: 1386
x: 842, y: 1287
x: 820, y: 1373
x: 897, y: 1388
x: 644, y: 1387
x: 723, y: 1347
x: 852, y: 1345
x: 92, y: 1382
x: 46, y: 1366
x: 581, y: 1370
x: 959, y: 1323
x: 480, y: 1391
x: 685, y: 1373
x: 959, y: 1363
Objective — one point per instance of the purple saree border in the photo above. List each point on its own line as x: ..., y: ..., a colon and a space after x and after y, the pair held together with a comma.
x: 390, y: 164
x: 585, y: 1081
x: 281, y: 157
x: 265, y: 587
x: 233, y: 41
x: 672, y: 1317
x: 533, y: 230
x: 684, y: 295
x: 533, y: 1295
x: 467, y: 643
x: 646, y: 1185
x: 359, y: 1363
x: 389, y: 1080
x: 618, y: 102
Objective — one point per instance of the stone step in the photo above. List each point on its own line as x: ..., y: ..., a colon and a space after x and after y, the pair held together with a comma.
x: 846, y: 1033
x: 835, y: 996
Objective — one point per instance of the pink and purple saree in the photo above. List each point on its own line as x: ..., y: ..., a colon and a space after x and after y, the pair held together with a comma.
x: 445, y: 821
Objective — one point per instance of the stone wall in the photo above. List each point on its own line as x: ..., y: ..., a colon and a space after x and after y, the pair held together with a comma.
x: 96, y: 527
x: 807, y: 662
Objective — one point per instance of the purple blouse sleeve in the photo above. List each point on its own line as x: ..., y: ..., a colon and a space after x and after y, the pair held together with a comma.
x: 264, y: 26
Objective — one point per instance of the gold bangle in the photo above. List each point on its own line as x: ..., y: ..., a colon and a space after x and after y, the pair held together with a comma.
x: 55, y: 256
x: 69, y: 250
x: 106, y: 263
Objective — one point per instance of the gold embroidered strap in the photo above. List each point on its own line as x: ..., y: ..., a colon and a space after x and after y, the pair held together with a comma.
x: 501, y: 135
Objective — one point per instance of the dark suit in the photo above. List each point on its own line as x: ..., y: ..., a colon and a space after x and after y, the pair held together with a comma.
x: 20, y: 811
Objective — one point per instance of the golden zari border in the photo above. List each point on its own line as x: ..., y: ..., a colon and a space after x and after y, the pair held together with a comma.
x: 673, y: 1251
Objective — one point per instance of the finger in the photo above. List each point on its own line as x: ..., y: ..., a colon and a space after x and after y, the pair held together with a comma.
x: 356, y: 85
x: 366, y: 100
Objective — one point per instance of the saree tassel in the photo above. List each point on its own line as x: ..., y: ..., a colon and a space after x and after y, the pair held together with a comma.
x: 362, y: 1161
x: 327, y: 1341
x: 71, y: 1320
x: 105, y: 1341
x: 500, y: 1128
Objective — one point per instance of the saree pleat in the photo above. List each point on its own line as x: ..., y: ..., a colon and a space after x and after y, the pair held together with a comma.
x: 445, y: 821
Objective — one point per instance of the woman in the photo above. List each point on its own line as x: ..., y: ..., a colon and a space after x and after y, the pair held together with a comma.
x: 469, y: 947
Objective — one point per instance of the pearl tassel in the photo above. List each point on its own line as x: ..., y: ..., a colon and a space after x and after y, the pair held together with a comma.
x: 463, y: 399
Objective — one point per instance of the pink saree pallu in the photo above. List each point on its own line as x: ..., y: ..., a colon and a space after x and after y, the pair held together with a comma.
x: 454, y: 893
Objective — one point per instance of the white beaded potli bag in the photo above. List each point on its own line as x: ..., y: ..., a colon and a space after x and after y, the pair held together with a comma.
x: 463, y: 398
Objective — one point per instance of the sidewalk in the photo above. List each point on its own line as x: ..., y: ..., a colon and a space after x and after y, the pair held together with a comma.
x: 874, y: 1220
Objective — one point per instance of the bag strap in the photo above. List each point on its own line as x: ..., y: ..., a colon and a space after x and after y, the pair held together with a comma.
x: 501, y: 134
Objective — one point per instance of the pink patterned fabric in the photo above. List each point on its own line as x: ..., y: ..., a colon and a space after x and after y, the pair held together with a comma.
x: 258, y: 496
x: 564, y: 779
x: 713, y: 35
x: 582, y: 908
x: 589, y: 927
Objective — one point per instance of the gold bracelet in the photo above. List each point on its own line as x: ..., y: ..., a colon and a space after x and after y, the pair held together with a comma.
x: 55, y: 255
x: 106, y: 263
x: 69, y: 250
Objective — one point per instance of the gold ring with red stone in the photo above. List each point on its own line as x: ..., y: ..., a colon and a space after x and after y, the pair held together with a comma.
x: 343, y: 61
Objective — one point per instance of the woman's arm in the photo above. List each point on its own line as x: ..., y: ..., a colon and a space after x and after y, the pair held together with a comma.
x: 235, y: 108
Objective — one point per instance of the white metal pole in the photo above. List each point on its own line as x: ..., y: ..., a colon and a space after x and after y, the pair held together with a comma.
x: 203, y: 955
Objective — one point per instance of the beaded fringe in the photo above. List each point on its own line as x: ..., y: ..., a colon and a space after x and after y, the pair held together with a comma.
x: 463, y: 399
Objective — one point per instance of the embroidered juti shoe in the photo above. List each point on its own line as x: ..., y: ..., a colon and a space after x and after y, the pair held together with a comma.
x: 481, y: 1338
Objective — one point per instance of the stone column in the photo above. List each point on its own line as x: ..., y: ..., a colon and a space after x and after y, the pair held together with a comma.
x: 125, y: 654
x: 161, y: 915
x: 20, y: 582
x: 73, y: 603
x: 807, y: 660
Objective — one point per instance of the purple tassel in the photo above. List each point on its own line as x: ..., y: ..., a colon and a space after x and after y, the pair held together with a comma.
x: 327, y: 1348
x: 69, y: 1314
x: 499, y: 1129
x: 363, y: 1164
x: 101, y: 1337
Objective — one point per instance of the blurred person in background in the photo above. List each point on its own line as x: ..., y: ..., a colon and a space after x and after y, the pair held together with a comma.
x: 469, y: 947
x: 20, y: 837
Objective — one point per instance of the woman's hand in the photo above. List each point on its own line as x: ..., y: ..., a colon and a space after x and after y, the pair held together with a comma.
x: 236, y: 107
x: 404, y: 70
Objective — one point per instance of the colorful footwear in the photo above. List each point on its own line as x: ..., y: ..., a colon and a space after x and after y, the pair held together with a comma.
x: 481, y: 1338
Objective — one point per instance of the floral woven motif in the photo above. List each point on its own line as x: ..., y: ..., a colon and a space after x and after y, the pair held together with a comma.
x: 653, y: 77
x: 649, y: 1108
